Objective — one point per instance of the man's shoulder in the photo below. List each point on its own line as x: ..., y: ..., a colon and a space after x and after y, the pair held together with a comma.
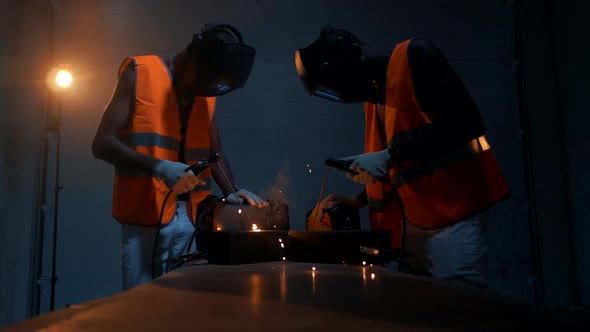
x: 131, y: 62
x: 144, y: 57
x: 423, y: 48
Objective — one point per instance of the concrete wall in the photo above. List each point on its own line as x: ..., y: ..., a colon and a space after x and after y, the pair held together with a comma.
x: 25, y: 48
x: 569, y: 27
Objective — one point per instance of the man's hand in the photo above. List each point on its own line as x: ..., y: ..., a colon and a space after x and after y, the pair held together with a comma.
x: 329, y: 203
x: 248, y: 196
x: 174, y: 176
x: 187, y: 183
x: 372, y: 167
x: 332, y: 200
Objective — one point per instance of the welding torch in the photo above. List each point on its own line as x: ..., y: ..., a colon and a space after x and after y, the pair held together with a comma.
x: 341, y: 165
x: 202, y: 165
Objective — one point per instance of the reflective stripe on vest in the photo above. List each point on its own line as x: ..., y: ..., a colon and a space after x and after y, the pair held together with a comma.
x: 416, y: 171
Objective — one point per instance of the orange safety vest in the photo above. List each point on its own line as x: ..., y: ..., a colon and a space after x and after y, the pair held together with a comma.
x: 435, y: 193
x: 155, y: 130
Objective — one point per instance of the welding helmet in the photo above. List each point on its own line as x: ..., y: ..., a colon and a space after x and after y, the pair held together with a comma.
x: 221, y: 66
x: 332, y: 68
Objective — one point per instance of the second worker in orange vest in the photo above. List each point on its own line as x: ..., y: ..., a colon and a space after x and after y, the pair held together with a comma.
x: 425, y: 149
x: 159, y: 120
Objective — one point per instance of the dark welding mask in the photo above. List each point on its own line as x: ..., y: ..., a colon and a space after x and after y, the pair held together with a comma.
x: 222, y: 66
x: 332, y: 68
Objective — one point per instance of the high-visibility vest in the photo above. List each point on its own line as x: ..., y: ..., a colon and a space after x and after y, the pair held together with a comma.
x: 155, y: 130
x: 435, y: 193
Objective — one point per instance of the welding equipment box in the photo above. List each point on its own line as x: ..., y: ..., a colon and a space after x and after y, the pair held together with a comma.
x: 231, y: 217
x: 329, y: 247
x: 241, y: 234
x: 337, y: 247
x: 245, y: 247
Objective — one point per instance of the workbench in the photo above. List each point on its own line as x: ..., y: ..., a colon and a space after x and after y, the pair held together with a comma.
x: 285, y: 296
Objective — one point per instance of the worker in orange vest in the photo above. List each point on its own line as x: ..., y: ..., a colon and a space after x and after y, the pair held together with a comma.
x: 159, y: 121
x: 426, y: 157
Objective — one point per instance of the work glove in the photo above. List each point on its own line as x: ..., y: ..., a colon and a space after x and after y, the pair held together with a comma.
x: 248, y: 196
x: 372, y: 167
x: 332, y: 200
x: 174, y: 176
x: 315, y: 216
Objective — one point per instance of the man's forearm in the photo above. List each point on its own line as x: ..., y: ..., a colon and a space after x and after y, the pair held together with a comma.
x: 118, y: 154
x: 433, y: 141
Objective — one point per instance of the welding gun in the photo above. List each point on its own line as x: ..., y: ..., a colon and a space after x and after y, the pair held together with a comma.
x: 202, y: 165
x: 341, y: 165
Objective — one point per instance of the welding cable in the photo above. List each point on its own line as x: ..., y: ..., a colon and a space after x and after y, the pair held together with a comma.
x: 195, y: 233
x: 404, y: 224
x: 158, y: 234
x: 403, y: 237
x: 188, y: 248
x: 320, y: 199
x: 232, y: 187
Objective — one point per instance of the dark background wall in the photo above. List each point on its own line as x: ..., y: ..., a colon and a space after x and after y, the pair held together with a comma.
x: 531, y: 99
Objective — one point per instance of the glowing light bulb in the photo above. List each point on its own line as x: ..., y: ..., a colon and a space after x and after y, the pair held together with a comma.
x: 364, y: 263
x: 282, y: 245
x: 64, y: 78
x: 240, y: 211
x: 372, y: 276
x: 284, y: 258
x: 254, y: 227
x: 280, y: 240
x: 313, y: 268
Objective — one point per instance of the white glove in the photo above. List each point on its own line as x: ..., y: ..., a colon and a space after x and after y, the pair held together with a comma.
x: 372, y: 167
x: 174, y: 176
x: 251, y: 198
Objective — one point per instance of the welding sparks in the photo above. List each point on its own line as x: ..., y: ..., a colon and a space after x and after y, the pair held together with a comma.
x: 255, y: 228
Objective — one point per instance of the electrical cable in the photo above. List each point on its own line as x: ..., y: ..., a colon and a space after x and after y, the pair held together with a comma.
x: 402, y: 248
x: 197, y: 169
x: 158, y: 234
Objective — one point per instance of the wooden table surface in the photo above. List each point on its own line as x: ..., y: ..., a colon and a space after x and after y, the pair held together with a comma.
x: 283, y: 296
